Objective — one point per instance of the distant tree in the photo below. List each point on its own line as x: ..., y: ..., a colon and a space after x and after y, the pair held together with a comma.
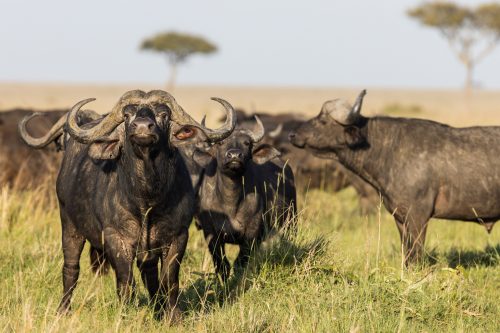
x: 472, y: 33
x: 177, y: 47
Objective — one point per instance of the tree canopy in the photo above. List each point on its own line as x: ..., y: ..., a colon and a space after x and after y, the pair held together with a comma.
x: 178, y: 46
x: 471, y: 32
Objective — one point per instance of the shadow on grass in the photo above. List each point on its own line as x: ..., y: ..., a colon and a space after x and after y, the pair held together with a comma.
x: 208, y: 291
x: 490, y: 256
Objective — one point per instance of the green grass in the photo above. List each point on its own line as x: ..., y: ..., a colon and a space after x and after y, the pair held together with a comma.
x: 342, y: 273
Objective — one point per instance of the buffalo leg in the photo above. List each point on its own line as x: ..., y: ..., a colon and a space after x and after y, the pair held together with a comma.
x: 121, y: 257
x: 169, y: 278
x: 244, y: 254
x: 98, y: 261
x: 149, y: 275
x: 216, y: 248
x: 72, y: 245
x: 412, y: 233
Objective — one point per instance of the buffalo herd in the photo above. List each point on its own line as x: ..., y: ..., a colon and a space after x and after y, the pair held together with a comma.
x: 131, y: 180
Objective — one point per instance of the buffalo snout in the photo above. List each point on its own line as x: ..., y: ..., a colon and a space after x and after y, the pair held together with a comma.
x: 234, y: 154
x: 296, y: 140
x: 140, y: 125
x: 143, y: 131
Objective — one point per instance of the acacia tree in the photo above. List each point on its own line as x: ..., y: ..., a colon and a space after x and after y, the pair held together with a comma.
x: 472, y: 33
x: 177, y: 47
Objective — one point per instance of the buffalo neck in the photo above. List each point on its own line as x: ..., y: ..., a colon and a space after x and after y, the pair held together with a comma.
x: 230, y: 189
x: 369, y: 161
x: 149, y: 177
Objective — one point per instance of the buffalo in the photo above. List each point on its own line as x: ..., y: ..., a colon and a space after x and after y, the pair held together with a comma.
x: 422, y: 169
x: 124, y: 187
x: 246, y: 191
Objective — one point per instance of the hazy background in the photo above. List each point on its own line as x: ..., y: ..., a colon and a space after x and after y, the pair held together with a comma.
x: 303, y: 43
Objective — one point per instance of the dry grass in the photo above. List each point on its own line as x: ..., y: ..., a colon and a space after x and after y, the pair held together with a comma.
x: 341, y: 273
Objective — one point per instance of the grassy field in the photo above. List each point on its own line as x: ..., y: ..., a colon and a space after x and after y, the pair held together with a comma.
x: 342, y: 273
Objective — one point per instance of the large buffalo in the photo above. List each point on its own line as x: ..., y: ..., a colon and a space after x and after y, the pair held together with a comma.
x: 423, y: 169
x: 246, y: 191
x: 125, y: 189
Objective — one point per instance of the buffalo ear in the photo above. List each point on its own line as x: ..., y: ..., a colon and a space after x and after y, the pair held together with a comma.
x: 202, y: 158
x: 109, y: 147
x: 105, y: 150
x: 264, y: 153
x: 188, y: 137
x: 353, y: 136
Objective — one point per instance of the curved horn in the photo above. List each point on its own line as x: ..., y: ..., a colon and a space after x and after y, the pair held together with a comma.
x: 203, y: 120
x: 340, y: 110
x: 107, y: 124
x: 227, y: 128
x: 356, y: 109
x: 182, y: 118
x: 257, y: 134
x: 55, y: 131
x: 276, y: 132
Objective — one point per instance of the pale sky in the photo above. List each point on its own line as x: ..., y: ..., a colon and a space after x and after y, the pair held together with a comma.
x: 262, y: 42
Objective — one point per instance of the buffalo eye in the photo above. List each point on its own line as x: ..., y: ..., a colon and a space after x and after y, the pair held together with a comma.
x: 162, y: 110
x: 246, y: 143
x: 185, y: 133
x: 128, y: 111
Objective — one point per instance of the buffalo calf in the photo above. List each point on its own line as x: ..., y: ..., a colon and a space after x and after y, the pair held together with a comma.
x: 246, y: 191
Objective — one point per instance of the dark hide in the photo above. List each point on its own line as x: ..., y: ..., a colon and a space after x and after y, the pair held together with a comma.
x: 246, y: 192
x: 130, y: 196
x: 188, y: 140
x: 423, y: 169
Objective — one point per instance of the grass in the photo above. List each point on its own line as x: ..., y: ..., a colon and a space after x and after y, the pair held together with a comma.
x: 342, y: 273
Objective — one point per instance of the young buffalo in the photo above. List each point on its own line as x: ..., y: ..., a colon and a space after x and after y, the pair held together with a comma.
x: 422, y: 169
x: 246, y: 190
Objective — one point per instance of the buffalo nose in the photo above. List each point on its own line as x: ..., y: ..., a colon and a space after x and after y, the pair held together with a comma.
x: 234, y: 153
x: 142, y: 124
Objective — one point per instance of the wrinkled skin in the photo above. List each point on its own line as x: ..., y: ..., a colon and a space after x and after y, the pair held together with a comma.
x: 131, y: 198
x: 421, y: 168
x: 242, y: 196
x: 310, y: 171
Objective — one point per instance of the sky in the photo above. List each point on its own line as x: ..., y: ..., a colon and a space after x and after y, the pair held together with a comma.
x: 261, y: 42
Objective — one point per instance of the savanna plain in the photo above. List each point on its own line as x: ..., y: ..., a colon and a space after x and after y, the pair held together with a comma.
x: 341, y: 272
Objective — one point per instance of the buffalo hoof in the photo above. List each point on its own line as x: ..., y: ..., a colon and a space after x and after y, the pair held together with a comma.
x: 173, y: 316
x: 63, y: 309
